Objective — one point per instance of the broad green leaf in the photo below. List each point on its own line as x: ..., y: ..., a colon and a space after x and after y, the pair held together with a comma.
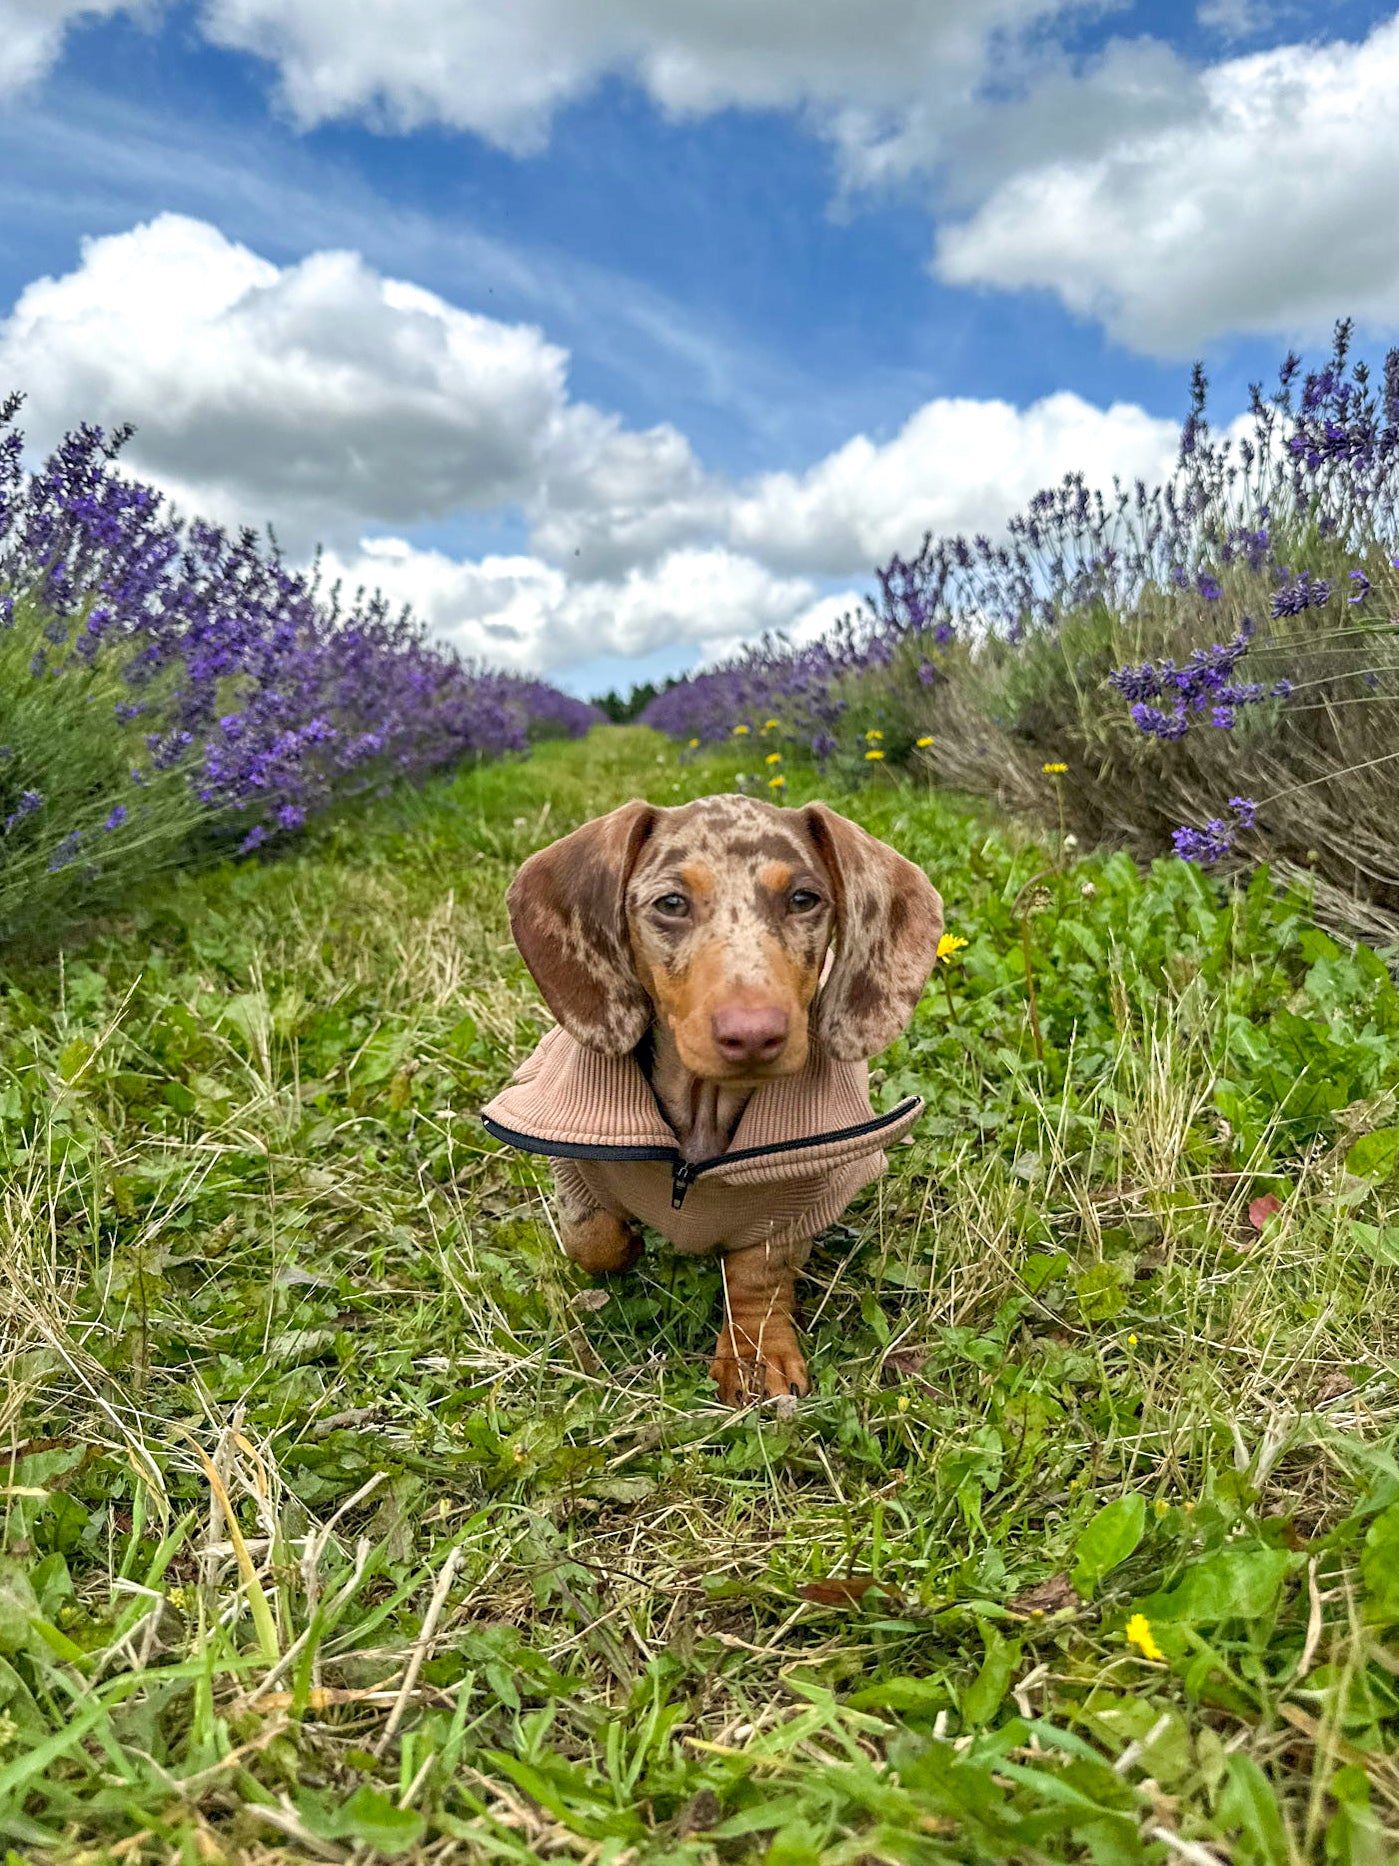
x: 1375, y: 1155
x: 1381, y: 1245
x: 1099, y: 1293
x: 982, y: 1697
x: 18, y: 1605
x: 795, y: 1843
x: 1109, y: 1539
x: 1248, y: 1803
x: 1233, y: 1584
x: 1043, y: 1268
x: 916, y: 1695
x: 1379, y: 1565
x: 371, y: 1817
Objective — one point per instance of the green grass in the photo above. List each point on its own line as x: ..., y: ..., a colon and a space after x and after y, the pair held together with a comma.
x: 342, y: 1515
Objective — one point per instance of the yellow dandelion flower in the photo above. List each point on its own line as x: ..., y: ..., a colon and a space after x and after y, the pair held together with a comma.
x: 1131, y: 1341
x: 777, y: 783
x: 769, y: 725
x: 1139, y: 1635
x: 949, y: 944
x: 773, y: 758
x: 739, y: 731
x: 874, y: 755
x: 694, y: 744
x: 924, y: 742
x: 874, y: 735
x: 1054, y: 770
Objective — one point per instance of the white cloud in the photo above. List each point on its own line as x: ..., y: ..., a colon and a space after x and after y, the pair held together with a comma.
x: 1260, y: 207
x: 32, y: 34
x: 331, y: 401
x: 1235, y: 19
x: 502, y: 71
x: 320, y: 394
x: 956, y: 465
x: 520, y: 612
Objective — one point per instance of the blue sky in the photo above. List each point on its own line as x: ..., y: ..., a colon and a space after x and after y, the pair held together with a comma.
x: 743, y: 304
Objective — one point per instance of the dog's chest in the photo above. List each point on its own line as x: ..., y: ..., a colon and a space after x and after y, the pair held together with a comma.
x: 716, y: 1215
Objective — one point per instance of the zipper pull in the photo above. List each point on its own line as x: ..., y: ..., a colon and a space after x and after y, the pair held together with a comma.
x: 682, y: 1177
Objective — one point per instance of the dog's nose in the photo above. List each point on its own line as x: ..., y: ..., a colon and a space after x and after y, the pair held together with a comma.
x: 743, y: 1035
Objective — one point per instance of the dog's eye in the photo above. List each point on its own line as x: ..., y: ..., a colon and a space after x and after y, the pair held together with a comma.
x: 802, y: 901
x: 675, y: 906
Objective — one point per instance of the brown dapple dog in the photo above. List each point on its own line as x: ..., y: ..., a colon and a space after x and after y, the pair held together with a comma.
x: 722, y: 972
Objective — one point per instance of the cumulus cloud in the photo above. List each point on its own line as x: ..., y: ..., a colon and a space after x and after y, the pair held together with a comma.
x: 503, y: 71
x: 520, y: 612
x: 32, y: 34
x: 956, y: 465
x: 332, y: 401
x: 1171, y: 203
x: 321, y: 394
x: 1257, y: 207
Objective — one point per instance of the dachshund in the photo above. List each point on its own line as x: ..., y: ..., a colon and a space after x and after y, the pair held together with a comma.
x: 721, y: 973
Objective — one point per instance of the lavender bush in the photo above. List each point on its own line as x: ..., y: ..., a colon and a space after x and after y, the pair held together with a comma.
x: 168, y: 687
x: 1214, y: 659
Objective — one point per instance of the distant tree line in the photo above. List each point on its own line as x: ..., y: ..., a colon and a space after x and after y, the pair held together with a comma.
x: 621, y: 709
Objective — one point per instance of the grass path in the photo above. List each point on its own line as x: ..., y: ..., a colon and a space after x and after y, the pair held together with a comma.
x: 344, y: 1517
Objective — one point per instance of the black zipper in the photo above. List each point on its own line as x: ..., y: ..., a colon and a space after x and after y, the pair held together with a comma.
x: 684, y: 1173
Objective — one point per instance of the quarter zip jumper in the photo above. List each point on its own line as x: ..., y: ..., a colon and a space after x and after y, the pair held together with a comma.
x: 803, y: 1146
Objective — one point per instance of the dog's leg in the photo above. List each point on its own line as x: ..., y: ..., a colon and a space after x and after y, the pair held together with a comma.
x: 757, y: 1356
x: 595, y: 1240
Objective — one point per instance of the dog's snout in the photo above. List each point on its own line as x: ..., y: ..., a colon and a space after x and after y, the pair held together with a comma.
x: 744, y: 1034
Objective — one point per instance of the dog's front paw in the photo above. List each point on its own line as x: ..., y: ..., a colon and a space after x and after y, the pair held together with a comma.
x: 772, y: 1367
x: 600, y: 1243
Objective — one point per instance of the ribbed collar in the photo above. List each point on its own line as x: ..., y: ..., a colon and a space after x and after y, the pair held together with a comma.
x: 573, y: 1096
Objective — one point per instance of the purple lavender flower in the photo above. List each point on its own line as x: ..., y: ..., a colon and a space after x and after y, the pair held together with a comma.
x: 1159, y: 725
x: 1246, y: 810
x: 1362, y: 587
x: 1204, y: 846
x: 29, y: 802
x: 66, y: 851
x: 116, y: 818
x: 1216, y: 840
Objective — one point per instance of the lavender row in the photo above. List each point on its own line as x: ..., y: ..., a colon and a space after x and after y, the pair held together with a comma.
x: 1222, y: 625
x: 269, y: 695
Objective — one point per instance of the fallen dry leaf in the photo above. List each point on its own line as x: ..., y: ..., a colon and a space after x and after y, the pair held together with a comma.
x: 702, y: 1814
x: 1045, y: 1597
x: 840, y: 1590
x: 1335, y: 1386
x: 907, y: 1361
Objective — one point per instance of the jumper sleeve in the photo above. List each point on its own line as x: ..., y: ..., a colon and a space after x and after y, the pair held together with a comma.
x: 576, y: 1202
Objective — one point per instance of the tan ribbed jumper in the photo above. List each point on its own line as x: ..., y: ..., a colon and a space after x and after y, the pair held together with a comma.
x: 812, y: 1141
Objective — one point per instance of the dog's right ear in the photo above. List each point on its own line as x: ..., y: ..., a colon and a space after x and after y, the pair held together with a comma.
x: 568, y: 915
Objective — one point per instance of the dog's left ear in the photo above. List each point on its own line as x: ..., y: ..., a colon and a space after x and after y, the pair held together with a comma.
x: 888, y: 924
x: 568, y: 915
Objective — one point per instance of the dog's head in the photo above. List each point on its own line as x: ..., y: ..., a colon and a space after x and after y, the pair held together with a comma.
x: 716, y: 919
